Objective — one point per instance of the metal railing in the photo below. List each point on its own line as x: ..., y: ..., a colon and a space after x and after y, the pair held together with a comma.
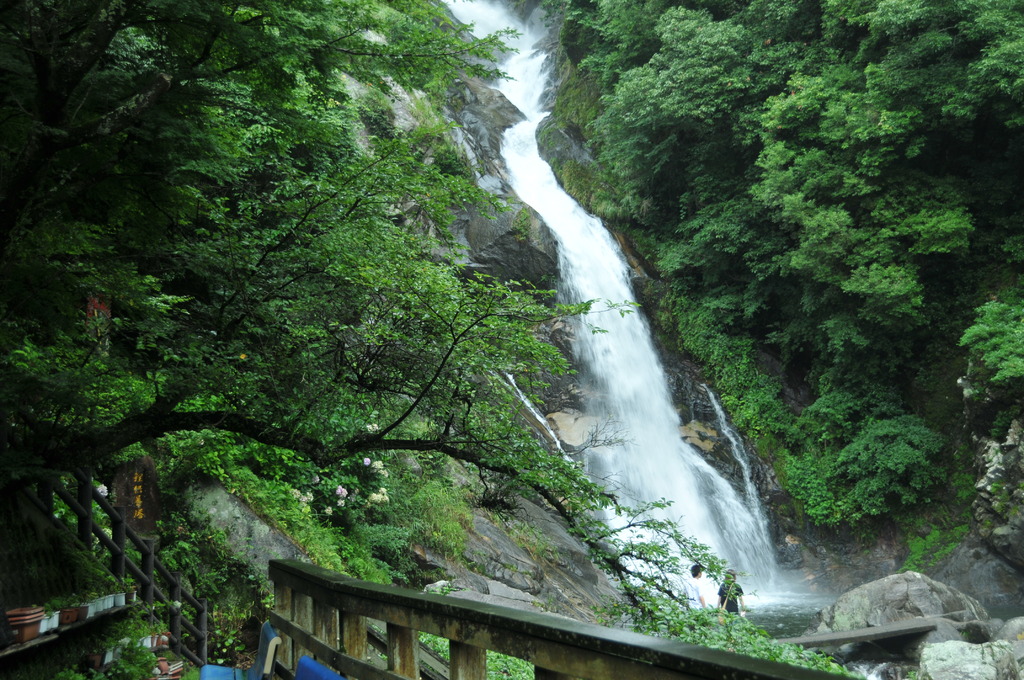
x: 325, y: 614
x: 148, y: 572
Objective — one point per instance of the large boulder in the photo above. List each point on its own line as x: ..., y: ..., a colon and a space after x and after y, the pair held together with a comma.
x: 249, y: 538
x: 1012, y: 630
x: 896, y: 598
x: 964, y: 661
x: 975, y: 568
x: 512, y: 244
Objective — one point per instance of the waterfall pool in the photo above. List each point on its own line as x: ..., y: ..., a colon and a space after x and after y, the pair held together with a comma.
x: 786, y: 614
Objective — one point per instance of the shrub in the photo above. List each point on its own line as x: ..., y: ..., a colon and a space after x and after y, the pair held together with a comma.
x: 890, y: 464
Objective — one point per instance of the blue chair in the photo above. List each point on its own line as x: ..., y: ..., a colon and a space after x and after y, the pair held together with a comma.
x: 310, y: 669
x: 262, y: 667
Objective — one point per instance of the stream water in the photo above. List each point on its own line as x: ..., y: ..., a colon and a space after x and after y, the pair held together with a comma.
x: 621, y: 374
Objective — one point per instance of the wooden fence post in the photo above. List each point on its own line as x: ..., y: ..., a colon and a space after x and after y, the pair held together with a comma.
x: 118, y: 533
x: 85, y: 500
x: 45, y: 492
x: 353, y: 635
x: 403, y: 648
x: 466, y: 662
x: 203, y: 624
x: 302, y: 615
x: 283, y: 607
x: 325, y: 625
x: 147, y: 566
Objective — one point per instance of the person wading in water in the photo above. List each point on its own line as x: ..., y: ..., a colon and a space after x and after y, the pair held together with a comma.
x: 730, y: 595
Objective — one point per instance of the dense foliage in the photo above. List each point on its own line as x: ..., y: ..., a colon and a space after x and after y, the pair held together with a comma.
x: 196, y: 238
x: 832, y: 184
x: 218, y: 248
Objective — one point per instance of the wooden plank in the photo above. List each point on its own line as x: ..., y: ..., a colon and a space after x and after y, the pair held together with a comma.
x: 283, y: 607
x: 889, y: 630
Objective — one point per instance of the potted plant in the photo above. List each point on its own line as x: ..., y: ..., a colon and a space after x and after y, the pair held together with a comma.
x: 25, y: 622
x: 69, y: 614
x: 94, y: 602
x: 66, y: 608
x: 94, y: 580
x: 50, y: 620
x: 130, y: 591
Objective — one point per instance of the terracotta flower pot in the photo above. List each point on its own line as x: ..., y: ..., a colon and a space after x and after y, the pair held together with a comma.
x: 25, y: 614
x: 25, y: 622
x: 68, y: 615
x: 26, y: 631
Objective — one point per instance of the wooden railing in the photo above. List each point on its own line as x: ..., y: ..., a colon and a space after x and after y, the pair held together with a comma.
x: 324, y: 614
x: 149, y: 572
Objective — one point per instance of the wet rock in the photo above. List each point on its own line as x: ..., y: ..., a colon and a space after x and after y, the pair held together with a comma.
x: 976, y: 569
x: 554, y: 575
x: 895, y: 598
x: 1012, y: 630
x: 964, y: 661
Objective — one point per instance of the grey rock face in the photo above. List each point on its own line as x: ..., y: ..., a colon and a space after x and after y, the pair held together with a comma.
x: 558, y: 145
x: 250, y: 539
x: 484, y: 114
x: 555, y: 575
x: 999, y: 509
x: 512, y: 244
x: 515, y: 245
x: 964, y: 661
x: 1012, y: 630
x: 977, y: 569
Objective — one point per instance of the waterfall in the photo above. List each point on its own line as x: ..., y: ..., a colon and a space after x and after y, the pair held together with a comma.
x: 741, y: 456
x: 535, y: 417
x: 625, y: 382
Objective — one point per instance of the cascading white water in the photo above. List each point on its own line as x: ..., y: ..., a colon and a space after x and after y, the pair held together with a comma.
x: 625, y: 382
x: 740, y: 455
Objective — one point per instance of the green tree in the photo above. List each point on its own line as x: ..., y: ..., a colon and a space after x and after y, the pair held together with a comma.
x: 186, y: 217
x: 997, y: 340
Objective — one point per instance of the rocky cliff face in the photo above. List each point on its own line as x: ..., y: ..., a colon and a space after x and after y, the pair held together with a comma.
x: 547, y: 570
x: 989, y: 564
x: 513, y: 244
x: 999, y: 508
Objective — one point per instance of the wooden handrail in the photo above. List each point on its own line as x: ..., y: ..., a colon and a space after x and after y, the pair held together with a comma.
x: 81, y: 504
x: 322, y: 612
